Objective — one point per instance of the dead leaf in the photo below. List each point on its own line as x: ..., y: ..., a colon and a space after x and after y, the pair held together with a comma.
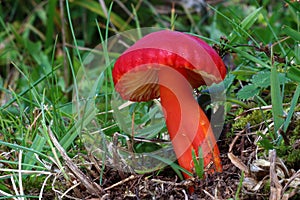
x: 238, y: 163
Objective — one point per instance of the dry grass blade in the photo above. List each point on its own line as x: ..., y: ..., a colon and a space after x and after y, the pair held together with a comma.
x: 104, y: 8
x: 235, y: 160
x: 92, y: 187
x: 238, y: 163
x: 20, y: 174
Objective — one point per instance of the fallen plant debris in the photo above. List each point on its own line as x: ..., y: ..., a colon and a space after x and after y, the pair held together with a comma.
x: 259, y: 173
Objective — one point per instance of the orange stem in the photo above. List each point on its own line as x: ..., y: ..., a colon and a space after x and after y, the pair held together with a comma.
x: 187, y: 124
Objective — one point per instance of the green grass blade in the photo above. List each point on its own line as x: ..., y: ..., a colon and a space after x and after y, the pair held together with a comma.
x: 275, y: 35
x: 250, y: 57
x: 276, y: 99
x: 17, y: 147
x: 16, y: 163
x: 291, y: 32
x: 51, y: 11
x: 27, y: 90
x: 240, y: 186
x: 137, y: 23
x: 38, y: 145
x: 244, y: 26
x: 198, y: 163
x: 95, y: 7
x: 292, y: 108
x: 69, y: 138
x: 293, y: 73
x: 238, y: 27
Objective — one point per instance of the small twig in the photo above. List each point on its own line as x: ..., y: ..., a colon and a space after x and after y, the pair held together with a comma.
x: 95, y: 162
x: 208, y: 194
x: 69, y: 189
x: 232, y: 143
x: 290, y: 180
x: 242, y: 145
x: 185, y: 195
x: 132, y: 177
x: 125, y: 9
x: 185, y: 183
x: 268, y: 107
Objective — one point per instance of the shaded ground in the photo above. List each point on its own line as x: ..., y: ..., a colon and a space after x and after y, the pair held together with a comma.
x: 218, y: 186
x: 165, y: 184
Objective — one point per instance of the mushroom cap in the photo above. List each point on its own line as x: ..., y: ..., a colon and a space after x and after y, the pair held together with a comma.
x: 135, y: 72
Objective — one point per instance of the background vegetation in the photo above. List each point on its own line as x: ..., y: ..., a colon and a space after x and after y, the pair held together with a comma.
x: 43, y: 43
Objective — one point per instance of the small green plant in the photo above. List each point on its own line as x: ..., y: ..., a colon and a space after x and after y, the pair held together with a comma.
x: 258, y: 83
x: 198, y: 162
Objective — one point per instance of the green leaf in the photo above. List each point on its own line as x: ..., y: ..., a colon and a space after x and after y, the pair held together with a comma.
x: 293, y: 73
x: 151, y: 131
x: 291, y: 32
x: 265, y: 142
x: 261, y: 79
x: 248, y: 91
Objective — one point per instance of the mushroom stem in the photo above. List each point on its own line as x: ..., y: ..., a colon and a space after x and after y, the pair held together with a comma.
x: 187, y: 124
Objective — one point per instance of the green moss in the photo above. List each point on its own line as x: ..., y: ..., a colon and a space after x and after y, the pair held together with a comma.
x: 253, y: 118
x: 267, y: 187
x: 290, y: 152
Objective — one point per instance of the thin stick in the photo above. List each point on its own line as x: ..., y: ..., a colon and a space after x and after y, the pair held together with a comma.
x: 132, y: 177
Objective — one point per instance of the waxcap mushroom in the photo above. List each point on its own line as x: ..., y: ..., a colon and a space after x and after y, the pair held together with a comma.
x: 140, y: 63
x: 169, y: 64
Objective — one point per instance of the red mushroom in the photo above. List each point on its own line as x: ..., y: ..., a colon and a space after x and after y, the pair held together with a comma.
x: 169, y: 64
